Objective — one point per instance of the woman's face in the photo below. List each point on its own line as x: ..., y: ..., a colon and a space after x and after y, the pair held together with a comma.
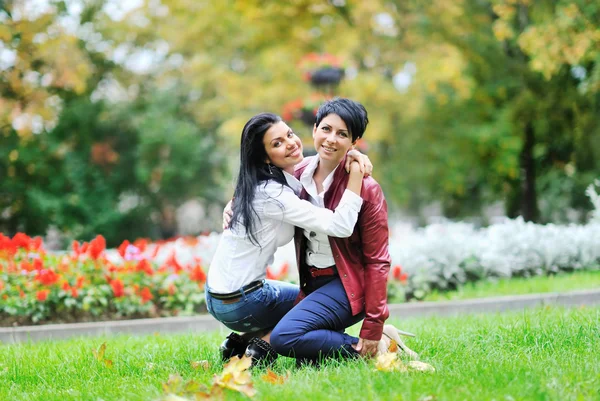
x: 332, y: 138
x: 283, y: 147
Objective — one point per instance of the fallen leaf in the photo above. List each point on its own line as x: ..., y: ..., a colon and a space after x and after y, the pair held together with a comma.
x: 200, y: 364
x: 274, y: 378
x: 236, y: 376
x: 420, y: 366
x: 389, y: 362
x: 173, y: 384
x: 99, y: 355
x: 393, y: 346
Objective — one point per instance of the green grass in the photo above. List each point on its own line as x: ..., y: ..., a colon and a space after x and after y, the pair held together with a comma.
x: 541, y: 354
x: 581, y: 280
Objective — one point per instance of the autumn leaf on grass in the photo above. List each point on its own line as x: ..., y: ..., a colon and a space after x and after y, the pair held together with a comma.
x: 175, y: 388
x: 389, y: 362
x: 236, y: 376
x: 99, y: 355
x: 200, y: 364
x: 420, y: 366
x: 274, y: 378
x: 393, y: 346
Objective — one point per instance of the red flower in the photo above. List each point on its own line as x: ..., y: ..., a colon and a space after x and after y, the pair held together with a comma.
x: 278, y: 276
x: 47, y: 277
x: 123, y: 248
x: 197, y: 274
x: 1, y: 285
x: 76, y: 248
x: 396, y: 271
x: 42, y: 295
x: 403, y: 278
x: 117, y: 287
x: 7, y: 245
x: 80, y: 280
x: 38, y: 264
x: 25, y: 265
x: 141, y: 244
x: 172, y: 262
x: 21, y: 240
x: 74, y: 292
x: 97, y: 246
x: 144, y: 266
x: 66, y: 286
x: 146, y: 295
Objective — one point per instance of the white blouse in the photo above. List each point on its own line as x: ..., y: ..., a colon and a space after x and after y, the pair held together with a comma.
x: 238, y: 262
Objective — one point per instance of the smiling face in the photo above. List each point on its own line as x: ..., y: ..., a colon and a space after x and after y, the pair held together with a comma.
x: 283, y: 147
x: 332, y: 139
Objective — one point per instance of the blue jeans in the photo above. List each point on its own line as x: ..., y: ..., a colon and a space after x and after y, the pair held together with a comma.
x: 315, y: 327
x: 259, y: 310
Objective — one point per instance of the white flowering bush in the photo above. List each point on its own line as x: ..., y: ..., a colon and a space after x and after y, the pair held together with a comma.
x: 595, y: 199
x: 445, y: 256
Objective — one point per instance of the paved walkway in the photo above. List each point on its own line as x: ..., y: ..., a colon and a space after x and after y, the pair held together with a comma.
x: 208, y: 323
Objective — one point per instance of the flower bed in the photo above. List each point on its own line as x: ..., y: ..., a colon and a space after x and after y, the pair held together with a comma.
x: 146, y: 279
x: 445, y: 256
x: 90, y: 283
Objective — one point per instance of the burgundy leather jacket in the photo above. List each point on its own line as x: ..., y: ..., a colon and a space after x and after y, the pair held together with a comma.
x: 362, y: 260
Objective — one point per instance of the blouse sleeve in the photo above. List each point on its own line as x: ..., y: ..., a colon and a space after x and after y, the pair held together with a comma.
x: 283, y: 204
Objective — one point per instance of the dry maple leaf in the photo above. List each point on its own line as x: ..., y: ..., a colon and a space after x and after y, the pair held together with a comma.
x: 200, y: 364
x: 99, y: 355
x: 420, y: 366
x: 274, y: 378
x: 236, y: 376
x: 173, y: 384
x: 393, y: 346
x: 389, y: 362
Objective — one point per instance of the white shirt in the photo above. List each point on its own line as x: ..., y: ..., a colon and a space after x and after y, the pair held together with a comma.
x: 238, y: 262
x: 318, y: 251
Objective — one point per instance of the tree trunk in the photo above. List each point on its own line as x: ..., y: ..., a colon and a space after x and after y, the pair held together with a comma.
x: 529, y: 209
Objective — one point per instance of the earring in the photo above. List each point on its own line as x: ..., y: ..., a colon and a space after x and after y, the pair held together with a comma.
x: 270, y: 171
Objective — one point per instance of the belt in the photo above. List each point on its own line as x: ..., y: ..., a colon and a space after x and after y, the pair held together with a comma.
x: 247, y: 289
x: 316, y: 272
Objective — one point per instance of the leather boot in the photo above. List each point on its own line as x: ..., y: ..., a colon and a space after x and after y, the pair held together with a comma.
x: 261, y: 352
x: 233, y: 345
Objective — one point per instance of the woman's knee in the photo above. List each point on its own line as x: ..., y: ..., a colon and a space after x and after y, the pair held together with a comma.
x: 283, y: 340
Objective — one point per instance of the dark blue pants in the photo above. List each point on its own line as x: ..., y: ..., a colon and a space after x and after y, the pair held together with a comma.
x: 315, y: 327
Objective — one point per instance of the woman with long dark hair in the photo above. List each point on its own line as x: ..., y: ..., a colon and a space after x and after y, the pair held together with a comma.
x: 266, y: 210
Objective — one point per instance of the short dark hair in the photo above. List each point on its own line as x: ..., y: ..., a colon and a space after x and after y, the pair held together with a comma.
x: 352, y: 113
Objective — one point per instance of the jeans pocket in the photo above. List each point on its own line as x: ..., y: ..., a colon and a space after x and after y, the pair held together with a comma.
x: 246, y: 324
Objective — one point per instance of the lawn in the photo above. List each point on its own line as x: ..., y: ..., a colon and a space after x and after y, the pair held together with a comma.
x: 541, y: 354
x: 562, y: 282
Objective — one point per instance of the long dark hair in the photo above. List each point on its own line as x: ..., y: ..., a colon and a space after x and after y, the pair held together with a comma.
x: 253, y: 170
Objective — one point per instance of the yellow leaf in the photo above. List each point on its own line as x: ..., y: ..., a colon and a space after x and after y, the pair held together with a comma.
x: 200, y: 364
x: 274, y: 378
x: 420, y: 366
x: 99, y: 355
x: 389, y: 362
x: 236, y: 376
x: 393, y: 348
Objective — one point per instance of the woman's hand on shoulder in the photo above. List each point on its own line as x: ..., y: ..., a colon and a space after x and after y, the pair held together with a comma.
x: 355, y: 168
x: 362, y: 159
